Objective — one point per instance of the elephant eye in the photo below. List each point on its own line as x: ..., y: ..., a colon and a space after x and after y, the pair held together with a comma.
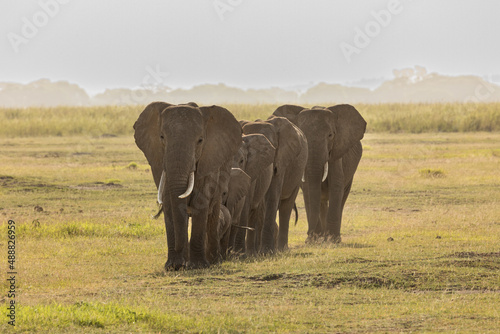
x: 161, y: 136
x: 330, y: 135
x: 200, y: 140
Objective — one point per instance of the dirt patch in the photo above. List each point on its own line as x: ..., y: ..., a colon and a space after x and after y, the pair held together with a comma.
x: 266, y: 278
x: 489, y: 261
x: 97, y: 186
x: 466, y: 255
x: 6, y: 180
x: 325, y: 280
x: 23, y: 185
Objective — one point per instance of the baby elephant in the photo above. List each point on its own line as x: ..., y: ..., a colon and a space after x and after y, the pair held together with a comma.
x: 234, y: 193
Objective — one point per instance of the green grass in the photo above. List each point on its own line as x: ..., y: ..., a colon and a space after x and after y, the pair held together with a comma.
x: 118, y: 120
x: 419, y: 254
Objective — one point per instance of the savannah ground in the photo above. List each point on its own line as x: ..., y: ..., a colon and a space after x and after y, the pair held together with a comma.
x: 420, y: 247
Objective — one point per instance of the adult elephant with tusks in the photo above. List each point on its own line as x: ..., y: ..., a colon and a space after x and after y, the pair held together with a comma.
x: 190, y: 149
x: 334, y: 139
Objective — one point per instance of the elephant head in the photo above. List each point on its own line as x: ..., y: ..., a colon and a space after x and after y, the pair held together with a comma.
x: 282, y: 135
x: 254, y: 155
x: 237, y: 189
x: 331, y: 132
x: 186, y: 146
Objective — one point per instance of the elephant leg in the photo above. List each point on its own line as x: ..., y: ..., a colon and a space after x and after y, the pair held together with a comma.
x: 238, y: 235
x: 197, y: 255
x: 272, y: 202
x: 252, y: 244
x: 176, y: 258
x: 311, y: 237
x: 285, y: 210
x: 321, y: 227
x: 213, y: 238
x: 258, y: 217
x: 224, y: 245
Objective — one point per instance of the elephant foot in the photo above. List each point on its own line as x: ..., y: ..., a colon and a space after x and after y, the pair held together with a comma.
x: 267, y: 251
x: 237, y: 256
x: 198, y: 264
x: 174, y: 264
x: 314, y: 239
x: 334, y: 239
x: 283, y: 248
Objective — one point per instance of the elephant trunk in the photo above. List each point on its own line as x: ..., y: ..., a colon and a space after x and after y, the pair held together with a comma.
x: 178, y: 185
x: 312, y: 189
x: 178, y: 207
x: 315, y: 174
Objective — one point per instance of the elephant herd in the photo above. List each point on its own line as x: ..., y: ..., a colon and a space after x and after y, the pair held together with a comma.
x: 233, y: 178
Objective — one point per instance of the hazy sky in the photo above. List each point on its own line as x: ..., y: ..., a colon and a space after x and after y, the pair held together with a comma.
x: 246, y: 43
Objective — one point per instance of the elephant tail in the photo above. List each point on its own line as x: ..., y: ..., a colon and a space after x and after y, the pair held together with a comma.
x: 296, y: 213
x: 158, y: 213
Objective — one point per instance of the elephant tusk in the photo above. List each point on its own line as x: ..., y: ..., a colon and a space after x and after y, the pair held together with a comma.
x: 243, y: 227
x: 304, y: 177
x: 160, y: 188
x: 325, y: 172
x: 190, y: 186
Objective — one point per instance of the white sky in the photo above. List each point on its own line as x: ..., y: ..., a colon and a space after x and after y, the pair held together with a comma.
x: 257, y: 43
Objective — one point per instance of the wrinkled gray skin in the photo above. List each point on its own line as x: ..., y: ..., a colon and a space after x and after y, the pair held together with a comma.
x: 334, y: 135
x: 233, y: 199
x: 255, y: 156
x: 289, y: 162
x: 179, y: 140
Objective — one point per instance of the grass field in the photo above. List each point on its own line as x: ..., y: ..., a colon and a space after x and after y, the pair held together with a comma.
x: 393, y: 118
x: 420, y: 249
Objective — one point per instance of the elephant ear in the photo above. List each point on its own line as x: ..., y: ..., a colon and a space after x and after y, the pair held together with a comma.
x: 239, y: 185
x: 350, y: 128
x: 222, y: 139
x: 147, y: 137
x: 260, y: 154
x: 288, y: 111
x: 192, y: 104
x: 289, y: 141
x: 243, y: 122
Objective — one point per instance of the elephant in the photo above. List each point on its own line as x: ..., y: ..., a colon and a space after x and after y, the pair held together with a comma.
x: 255, y: 156
x: 289, y: 162
x: 234, y: 193
x: 190, y: 150
x: 334, y: 139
